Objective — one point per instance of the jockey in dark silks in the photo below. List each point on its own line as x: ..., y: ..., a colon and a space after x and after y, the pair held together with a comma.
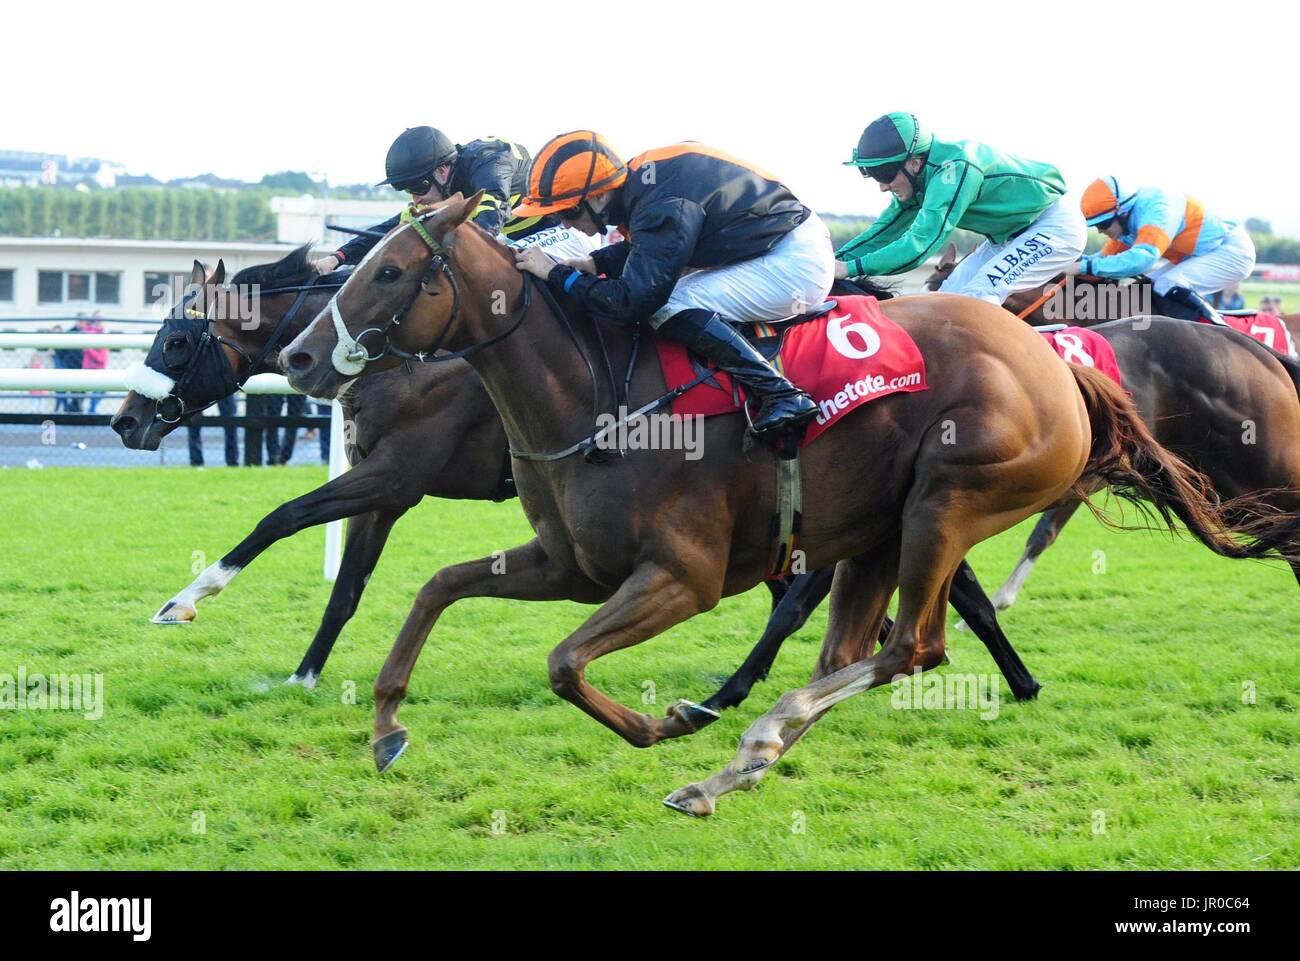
x: 424, y: 163
x: 749, y: 249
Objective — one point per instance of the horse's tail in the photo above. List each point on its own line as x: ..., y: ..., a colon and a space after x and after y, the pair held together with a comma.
x: 1137, y: 468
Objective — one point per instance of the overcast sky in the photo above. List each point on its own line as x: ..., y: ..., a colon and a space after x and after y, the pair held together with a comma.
x: 1201, y: 100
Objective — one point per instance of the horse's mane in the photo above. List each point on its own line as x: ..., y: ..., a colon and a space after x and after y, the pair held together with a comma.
x: 291, y: 270
x: 867, y: 286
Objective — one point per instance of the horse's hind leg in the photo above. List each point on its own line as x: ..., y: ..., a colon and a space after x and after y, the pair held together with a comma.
x: 523, y: 573
x: 1043, y: 536
x: 859, y: 603
x: 799, y: 599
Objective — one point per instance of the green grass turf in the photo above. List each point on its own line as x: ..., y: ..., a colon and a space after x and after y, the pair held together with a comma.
x: 1141, y: 717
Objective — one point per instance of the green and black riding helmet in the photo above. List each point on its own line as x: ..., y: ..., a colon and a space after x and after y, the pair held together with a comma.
x: 887, y: 144
x: 414, y: 156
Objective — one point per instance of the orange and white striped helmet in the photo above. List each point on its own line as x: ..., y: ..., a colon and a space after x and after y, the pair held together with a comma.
x: 1102, y: 200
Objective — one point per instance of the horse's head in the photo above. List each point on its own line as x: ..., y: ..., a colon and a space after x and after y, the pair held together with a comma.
x: 154, y: 404
x: 942, y: 270
x: 207, y: 346
x: 402, y: 300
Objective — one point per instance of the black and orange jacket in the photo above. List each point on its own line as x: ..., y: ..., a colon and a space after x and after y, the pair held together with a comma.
x: 497, y: 167
x: 682, y: 206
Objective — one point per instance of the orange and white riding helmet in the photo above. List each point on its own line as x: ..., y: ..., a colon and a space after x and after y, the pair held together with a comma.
x: 570, y: 170
x: 1103, y: 200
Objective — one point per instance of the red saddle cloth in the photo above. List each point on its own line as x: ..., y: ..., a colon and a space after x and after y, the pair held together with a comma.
x: 1079, y: 345
x: 1268, y: 329
x: 844, y: 358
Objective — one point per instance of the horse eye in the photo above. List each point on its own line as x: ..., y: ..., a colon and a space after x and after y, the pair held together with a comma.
x: 175, y: 349
x: 388, y: 274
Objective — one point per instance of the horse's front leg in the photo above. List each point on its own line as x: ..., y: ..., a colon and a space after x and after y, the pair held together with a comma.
x: 523, y: 573
x: 648, y: 603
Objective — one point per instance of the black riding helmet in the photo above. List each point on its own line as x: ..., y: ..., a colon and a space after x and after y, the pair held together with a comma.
x: 414, y: 156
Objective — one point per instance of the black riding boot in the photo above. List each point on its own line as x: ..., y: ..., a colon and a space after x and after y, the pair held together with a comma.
x: 782, y: 406
x: 1186, y: 304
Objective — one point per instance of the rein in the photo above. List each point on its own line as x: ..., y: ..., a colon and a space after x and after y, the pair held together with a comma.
x: 1047, y: 295
x: 350, y: 355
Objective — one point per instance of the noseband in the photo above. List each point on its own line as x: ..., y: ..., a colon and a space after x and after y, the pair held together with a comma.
x: 350, y: 356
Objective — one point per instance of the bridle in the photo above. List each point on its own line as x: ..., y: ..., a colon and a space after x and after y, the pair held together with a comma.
x: 210, y: 362
x: 350, y: 356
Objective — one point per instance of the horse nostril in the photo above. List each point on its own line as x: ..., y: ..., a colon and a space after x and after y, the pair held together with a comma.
x: 300, y: 361
x: 123, y: 425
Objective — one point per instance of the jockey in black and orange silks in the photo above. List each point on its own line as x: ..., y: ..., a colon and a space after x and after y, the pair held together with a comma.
x: 757, y: 253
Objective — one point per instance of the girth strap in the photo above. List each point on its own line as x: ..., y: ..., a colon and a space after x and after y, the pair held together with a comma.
x: 787, y: 521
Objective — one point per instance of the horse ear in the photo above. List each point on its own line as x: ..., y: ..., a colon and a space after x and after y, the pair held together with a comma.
x: 198, y: 274
x: 219, y: 275
x: 949, y: 256
x: 457, y: 212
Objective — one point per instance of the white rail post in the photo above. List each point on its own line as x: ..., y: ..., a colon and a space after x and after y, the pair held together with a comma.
x: 338, y: 464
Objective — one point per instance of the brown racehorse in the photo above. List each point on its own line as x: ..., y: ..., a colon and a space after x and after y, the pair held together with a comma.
x: 429, y: 430
x: 1098, y: 300
x: 897, y: 493
x: 1219, y: 399
x: 1222, y: 401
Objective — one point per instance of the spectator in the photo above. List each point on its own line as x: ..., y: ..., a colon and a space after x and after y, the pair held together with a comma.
x: 93, y: 358
x: 67, y: 358
x: 1270, y: 304
x: 1229, y: 298
x: 324, y: 408
x: 279, y: 446
x: 226, y: 408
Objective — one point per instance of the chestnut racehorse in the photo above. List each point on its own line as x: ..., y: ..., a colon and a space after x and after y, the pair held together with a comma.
x: 426, y: 431
x: 897, y: 493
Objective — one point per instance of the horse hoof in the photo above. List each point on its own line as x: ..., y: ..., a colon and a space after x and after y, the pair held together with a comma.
x: 694, y: 716
x: 389, y: 748
x: 307, y: 680
x: 175, y: 612
x: 1031, y: 694
x: 690, y: 801
x: 756, y: 756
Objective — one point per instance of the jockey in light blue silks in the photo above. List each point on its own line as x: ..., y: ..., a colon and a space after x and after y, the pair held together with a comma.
x: 1143, y: 226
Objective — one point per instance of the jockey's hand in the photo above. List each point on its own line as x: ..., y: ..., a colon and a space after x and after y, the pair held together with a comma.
x: 325, y: 264
x: 535, y: 261
x: 841, y: 270
x: 1074, y: 269
x: 585, y: 264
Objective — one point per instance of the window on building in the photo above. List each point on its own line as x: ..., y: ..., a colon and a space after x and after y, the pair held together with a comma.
x: 49, y: 287
x: 108, y: 288
x: 160, y: 287
x: 6, y: 285
x: 78, y: 288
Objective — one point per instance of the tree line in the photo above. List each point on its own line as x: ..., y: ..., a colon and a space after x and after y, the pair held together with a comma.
x: 139, y: 213
x: 188, y: 213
